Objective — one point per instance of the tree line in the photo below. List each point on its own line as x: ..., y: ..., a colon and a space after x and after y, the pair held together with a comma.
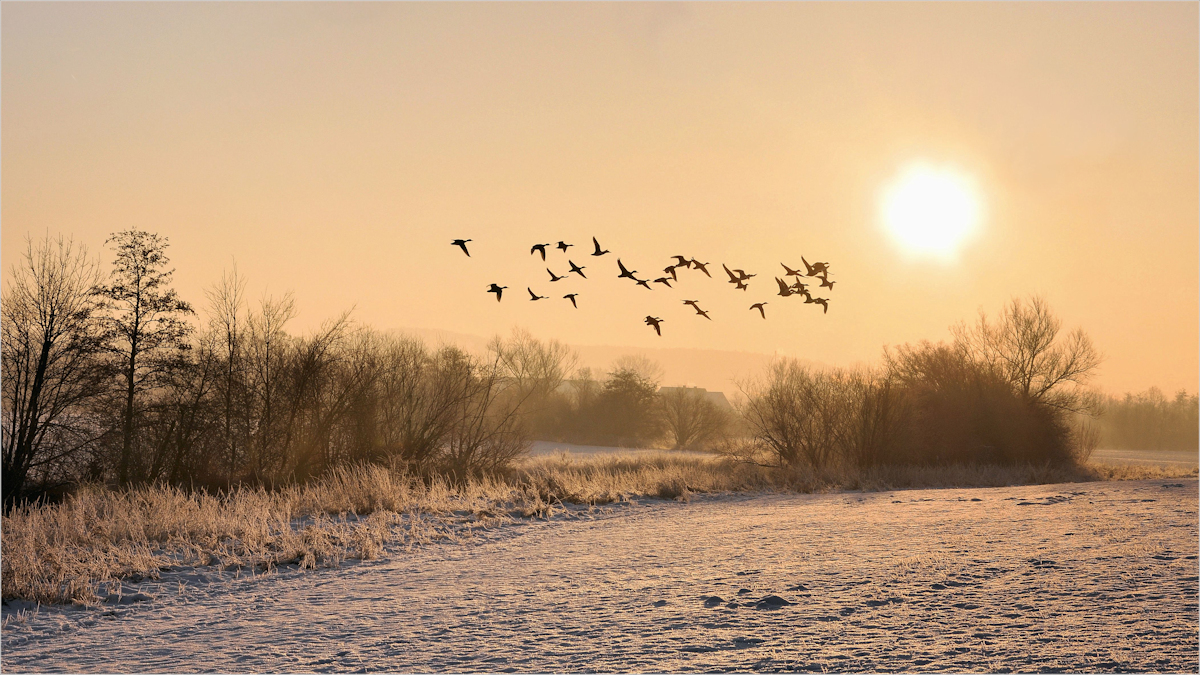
x: 109, y: 376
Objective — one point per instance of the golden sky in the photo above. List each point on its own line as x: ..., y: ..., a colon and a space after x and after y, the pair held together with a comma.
x: 336, y: 149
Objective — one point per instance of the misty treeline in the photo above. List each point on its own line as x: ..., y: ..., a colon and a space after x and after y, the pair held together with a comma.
x: 109, y: 376
x: 1007, y: 390
x: 1151, y: 421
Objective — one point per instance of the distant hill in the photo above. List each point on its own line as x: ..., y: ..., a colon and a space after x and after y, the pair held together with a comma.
x: 712, y: 369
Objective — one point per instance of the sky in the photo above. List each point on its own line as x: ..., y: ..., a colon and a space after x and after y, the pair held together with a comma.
x: 335, y: 150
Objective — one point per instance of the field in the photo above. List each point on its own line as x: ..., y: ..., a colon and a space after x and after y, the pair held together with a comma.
x: 1096, y: 576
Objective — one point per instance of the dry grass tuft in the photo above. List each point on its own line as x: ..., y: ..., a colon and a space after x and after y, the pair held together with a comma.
x: 66, y: 553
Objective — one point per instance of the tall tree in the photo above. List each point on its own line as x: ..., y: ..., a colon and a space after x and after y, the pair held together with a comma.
x: 50, y: 370
x: 145, y: 326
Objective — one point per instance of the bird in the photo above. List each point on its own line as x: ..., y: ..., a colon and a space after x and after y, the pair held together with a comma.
x: 815, y: 268
x: 733, y: 278
x: 743, y: 276
x: 789, y: 272
x: 555, y: 277
x: 498, y: 290
x: 563, y: 246
x: 535, y: 296
x: 625, y: 272
x: 571, y: 297
x: 823, y: 302
x: 740, y: 285
x: 664, y: 281
x: 826, y: 283
x: 759, y: 307
x: 541, y: 248
x: 696, y: 306
x: 670, y: 269
x: 799, y: 286
x: 654, y: 321
x: 681, y: 261
x: 597, y: 245
x: 784, y: 289
x: 577, y: 269
x: 462, y: 243
x: 643, y: 282
x: 703, y: 267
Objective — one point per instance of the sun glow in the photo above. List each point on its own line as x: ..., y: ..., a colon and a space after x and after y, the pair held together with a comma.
x: 931, y: 211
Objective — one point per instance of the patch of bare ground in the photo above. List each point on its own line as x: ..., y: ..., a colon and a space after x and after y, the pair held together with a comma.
x: 80, y: 551
x: 1079, y: 577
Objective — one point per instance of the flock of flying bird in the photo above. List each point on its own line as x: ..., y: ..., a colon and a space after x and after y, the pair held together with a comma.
x: 739, y: 279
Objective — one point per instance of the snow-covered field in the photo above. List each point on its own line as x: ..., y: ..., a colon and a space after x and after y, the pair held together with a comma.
x: 1079, y: 577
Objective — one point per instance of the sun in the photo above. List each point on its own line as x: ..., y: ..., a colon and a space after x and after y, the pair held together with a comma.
x: 930, y: 210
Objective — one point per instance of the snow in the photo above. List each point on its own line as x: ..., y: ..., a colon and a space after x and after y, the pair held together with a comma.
x: 1088, y: 576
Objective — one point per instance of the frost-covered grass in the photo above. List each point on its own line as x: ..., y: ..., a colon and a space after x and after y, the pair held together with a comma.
x: 71, y: 551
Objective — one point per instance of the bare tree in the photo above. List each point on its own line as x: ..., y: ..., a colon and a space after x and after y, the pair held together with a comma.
x: 1023, y: 345
x: 145, y: 326
x: 50, y: 371
x: 227, y: 322
x: 267, y: 348
x: 690, y: 417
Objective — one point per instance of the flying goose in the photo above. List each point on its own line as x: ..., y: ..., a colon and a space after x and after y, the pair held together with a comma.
x: 784, y: 289
x: 535, y: 296
x: 625, y: 272
x: 563, y: 246
x: 540, y: 248
x: 571, y: 297
x: 681, y: 261
x: 664, y: 281
x: 597, y: 245
x: 498, y: 290
x: 759, y: 307
x: 815, y: 268
x: 643, y: 282
x: 462, y: 243
x: 670, y: 269
x: 555, y: 277
x: 577, y: 269
x: 703, y: 267
x: 654, y: 321
x: 789, y: 272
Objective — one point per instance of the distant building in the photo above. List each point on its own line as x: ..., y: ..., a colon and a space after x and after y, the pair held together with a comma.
x: 718, y: 398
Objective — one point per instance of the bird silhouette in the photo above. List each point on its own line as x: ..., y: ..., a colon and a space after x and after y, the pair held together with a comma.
x: 654, y: 321
x: 664, y: 281
x: 826, y: 283
x: 462, y: 243
x: 815, y: 268
x: 784, y: 289
x: 643, y: 282
x: 535, y: 296
x: 743, y: 276
x: 703, y: 267
x: 740, y: 285
x: 498, y: 290
x: 759, y: 307
x: 571, y: 297
x: 799, y: 286
x: 563, y: 246
x: 789, y: 272
x: 625, y: 272
x: 733, y: 278
x: 540, y: 248
x: 681, y: 261
x: 555, y: 277
x: 670, y: 269
x: 823, y: 302
x: 577, y: 269
x: 696, y: 306
x: 597, y: 245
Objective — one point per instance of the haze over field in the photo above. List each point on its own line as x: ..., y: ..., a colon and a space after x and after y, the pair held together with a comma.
x: 336, y: 149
